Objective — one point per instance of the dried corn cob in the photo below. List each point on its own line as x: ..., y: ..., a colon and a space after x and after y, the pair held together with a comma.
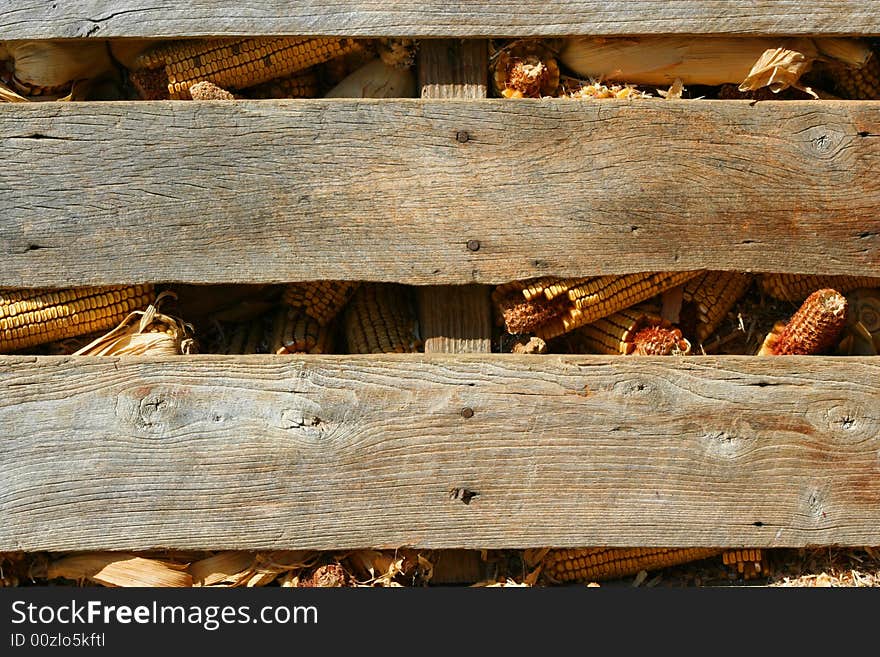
x: 859, y: 83
x: 525, y: 69
x: 248, y: 337
x: 796, y: 287
x: 550, y: 307
x: 209, y: 91
x: 605, y: 295
x: 294, y: 332
x: 32, y: 317
x: 748, y: 563
x: 524, y: 316
x: 299, y: 85
x: 381, y: 318
x: 814, y: 328
x: 710, y: 296
x: 238, y: 63
x: 633, y: 331
x: 593, y: 564
x: 861, y: 336
x: 320, y: 299
x: 150, y: 84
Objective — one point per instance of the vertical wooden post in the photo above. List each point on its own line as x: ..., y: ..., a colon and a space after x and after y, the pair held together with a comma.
x: 455, y: 319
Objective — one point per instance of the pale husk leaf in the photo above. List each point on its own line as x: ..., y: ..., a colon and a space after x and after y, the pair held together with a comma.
x: 702, y: 60
x: 120, y: 570
x: 55, y: 63
x: 376, y: 80
x: 223, y: 567
x: 7, y: 95
x: 143, y: 332
x: 126, y: 51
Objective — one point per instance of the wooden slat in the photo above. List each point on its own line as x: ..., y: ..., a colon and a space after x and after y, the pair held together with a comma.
x: 336, y: 452
x: 454, y: 319
x: 35, y: 19
x: 433, y: 192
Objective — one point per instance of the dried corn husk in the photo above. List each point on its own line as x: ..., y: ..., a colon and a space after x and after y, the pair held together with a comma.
x: 400, y: 53
x: 153, y: 334
x: 376, y: 80
x: 7, y: 95
x: 233, y: 568
x: 126, y: 51
x: 751, y: 62
x: 120, y: 569
x: 47, y: 67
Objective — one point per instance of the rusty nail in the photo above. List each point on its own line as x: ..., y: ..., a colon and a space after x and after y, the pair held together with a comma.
x: 473, y: 245
x: 462, y: 136
x: 467, y: 412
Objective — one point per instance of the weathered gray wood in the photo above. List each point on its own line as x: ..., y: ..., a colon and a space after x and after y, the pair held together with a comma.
x: 336, y: 452
x: 453, y: 68
x: 454, y: 319
x: 36, y: 19
x: 433, y: 192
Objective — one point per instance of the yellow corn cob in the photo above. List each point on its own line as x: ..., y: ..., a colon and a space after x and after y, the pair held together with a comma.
x: 605, y: 295
x: 550, y: 307
x: 238, y: 63
x: 711, y: 295
x: 294, y: 332
x: 525, y: 69
x: 813, y: 329
x: 32, y: 317
x: 859, y: 83
x: 381, y: 319
x: 321, y: 300
x: 594, y: 564
x: 748, y: 563
x: 633, y: 331
x: 796, y: 287
x: 247, y: 338
x: 299, y: 85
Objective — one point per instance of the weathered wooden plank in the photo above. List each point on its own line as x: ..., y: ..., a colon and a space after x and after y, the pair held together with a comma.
x: 433, y: 192
x: 335, y: 452
x: 32, y: 19
x: 454, y: 319
x: 453, y: 68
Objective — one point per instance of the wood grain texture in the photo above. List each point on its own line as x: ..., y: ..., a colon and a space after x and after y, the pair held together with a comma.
x: 275, y: 191
x: 336, y: 452
x: 35, y: 19
x: 454, y: 319
x: 452, y: 68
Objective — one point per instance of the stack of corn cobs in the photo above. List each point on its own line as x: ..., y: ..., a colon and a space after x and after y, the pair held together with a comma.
x: 586, y: 68
x: 650, y: 314
x: 654, y: 313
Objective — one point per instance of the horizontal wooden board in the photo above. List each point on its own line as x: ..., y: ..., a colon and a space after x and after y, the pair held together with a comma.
x: 433, y: 191
x: 439, y: 452
x: 33, y: 19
